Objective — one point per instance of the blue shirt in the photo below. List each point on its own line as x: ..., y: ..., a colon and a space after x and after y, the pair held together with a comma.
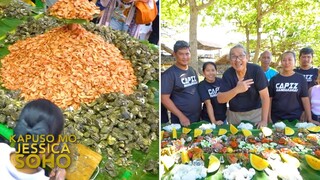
x: 270, y: 73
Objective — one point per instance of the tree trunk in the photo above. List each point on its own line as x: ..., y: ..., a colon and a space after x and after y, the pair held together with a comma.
x: 259, y: 31
x: 193, y: 34
x: 248, y: 39
x: 258, y: 45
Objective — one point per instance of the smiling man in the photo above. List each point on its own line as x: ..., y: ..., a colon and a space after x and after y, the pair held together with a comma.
x: 245, y: 87
x: 306, y: 69
x: 179, y: 84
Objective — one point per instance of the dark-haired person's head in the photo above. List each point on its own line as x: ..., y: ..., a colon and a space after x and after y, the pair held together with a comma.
x: 209, y: 70
x: 39, y: 117
x: 180, y: 45
x: 305, y: 57
x: 306, y: 50
x: 182, y: 54
x: 288, y: 60
x: 204, y: 66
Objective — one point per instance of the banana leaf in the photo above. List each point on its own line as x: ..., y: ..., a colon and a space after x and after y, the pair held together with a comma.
x: 155, y: 84
x: 140, y: 159
x: 7, y: 25
x: 305, y: 170
x: 4, y: 2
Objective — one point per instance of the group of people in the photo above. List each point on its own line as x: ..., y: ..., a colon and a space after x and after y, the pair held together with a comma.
x: 120, y: 15
x: 246, y: 91
x: 117, y: 14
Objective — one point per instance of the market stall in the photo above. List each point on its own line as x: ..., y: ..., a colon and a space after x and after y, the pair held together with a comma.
x: 105, y: 82
x: 288, y: 150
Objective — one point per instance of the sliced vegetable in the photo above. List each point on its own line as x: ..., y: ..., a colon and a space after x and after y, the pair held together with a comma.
x: 197, y: 132
x: 313, y: 162
x: 233, y: 129
x: 185, y: 130
x: 222, y: 131
x: 174, y: 133
x: 246, y: 132
x: 288, y: 131
x: 258, y: 163
x: 314, y: 129
x: 208, y: 131
x: 214, y: 164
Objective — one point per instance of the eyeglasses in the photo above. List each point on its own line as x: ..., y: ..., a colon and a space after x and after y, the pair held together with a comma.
x: 234, y: 58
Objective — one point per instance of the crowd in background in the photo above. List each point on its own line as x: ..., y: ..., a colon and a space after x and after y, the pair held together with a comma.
x: 117, y: 15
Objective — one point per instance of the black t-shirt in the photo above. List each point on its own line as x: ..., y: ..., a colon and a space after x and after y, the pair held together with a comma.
x: 250, y: 99
x: 286, y: 93
x: 209, y: 91
x: 182, y: 86
x: 310, y: 75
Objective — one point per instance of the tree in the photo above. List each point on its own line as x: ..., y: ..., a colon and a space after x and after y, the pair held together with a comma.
x: 293, y: 27
x: 278, y: 25
x: 193, y: 8
x: 249, y: 16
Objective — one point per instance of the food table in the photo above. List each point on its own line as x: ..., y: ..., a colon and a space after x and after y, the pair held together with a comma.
x: 237, y: 148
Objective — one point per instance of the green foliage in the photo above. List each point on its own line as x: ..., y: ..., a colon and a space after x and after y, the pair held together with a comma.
x: 290, y: 25
x: 74, y: 21
x: 173, y: 13
x: 137, y: 169
x: 176, y: 13
x: 4, y: 2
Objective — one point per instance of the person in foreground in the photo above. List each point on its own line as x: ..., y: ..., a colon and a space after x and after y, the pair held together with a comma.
x: 179, y: 84
x: 245, y: 87
x: 38, y: 117
x: 208, y: 89
x: 289, y: 92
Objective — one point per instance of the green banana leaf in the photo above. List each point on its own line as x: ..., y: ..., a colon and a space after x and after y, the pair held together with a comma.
x: 7, y: 25
x: 140, y: 159
x: 155, y: 84
x: 254, y: 131
x: 4, y: 2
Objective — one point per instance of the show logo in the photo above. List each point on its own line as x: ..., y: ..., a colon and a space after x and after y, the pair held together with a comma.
x: 45, y: 150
